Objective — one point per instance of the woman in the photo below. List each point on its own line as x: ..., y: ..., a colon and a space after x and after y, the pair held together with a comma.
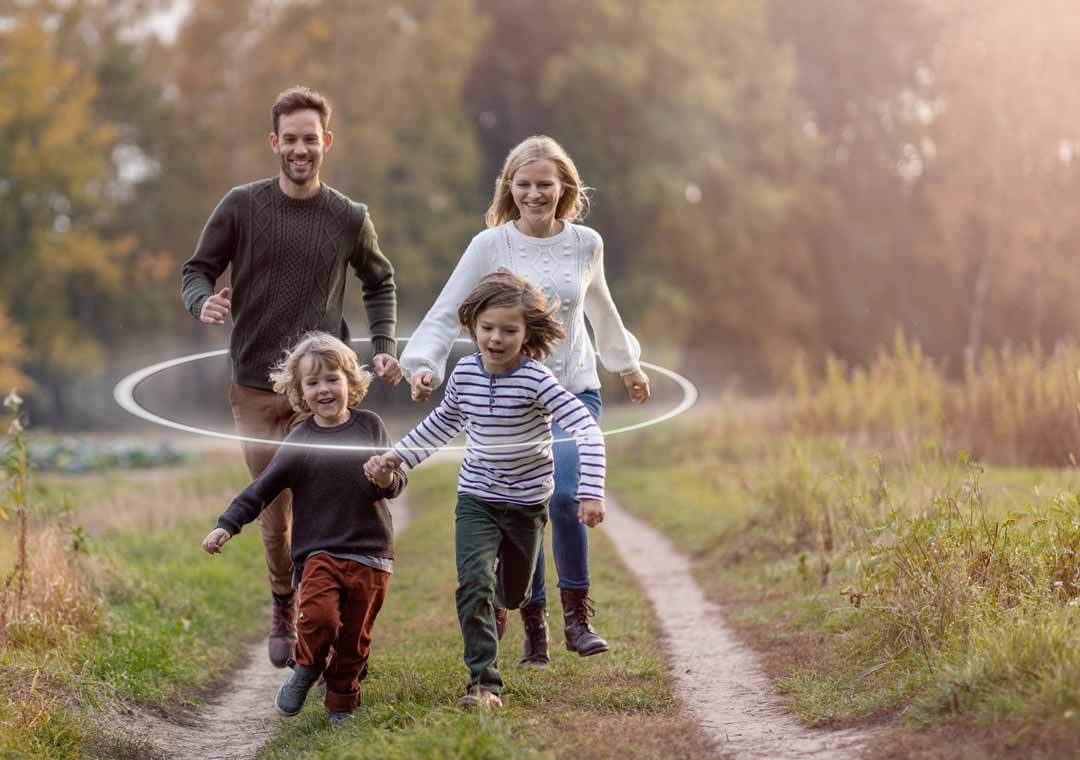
x: 533, y: 230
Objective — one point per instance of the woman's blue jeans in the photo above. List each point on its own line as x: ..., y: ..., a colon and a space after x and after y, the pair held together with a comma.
x: 569, y: 538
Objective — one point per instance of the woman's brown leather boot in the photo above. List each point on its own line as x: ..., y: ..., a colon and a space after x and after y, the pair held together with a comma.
x: 534, y: 618
x: 580, y: 636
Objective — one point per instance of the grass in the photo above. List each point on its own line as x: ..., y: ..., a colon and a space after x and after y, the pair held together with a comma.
x: 1011, y: 405
x: 164, y: 620
x: 611, y: 706
x: 160, y: 622
x: 934, y: 589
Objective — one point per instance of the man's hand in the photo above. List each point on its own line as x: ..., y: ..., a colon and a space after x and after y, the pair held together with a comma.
x: 379, y: 469
x: 387, y: 368
x: 591, y: 512
x: 637, y: 385
x: 421, y: 385
x: 214, y: 539
x: 216, y: 308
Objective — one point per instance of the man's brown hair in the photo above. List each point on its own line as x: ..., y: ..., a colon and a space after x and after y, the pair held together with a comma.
x: 502, y: 288
x: 300, y: 98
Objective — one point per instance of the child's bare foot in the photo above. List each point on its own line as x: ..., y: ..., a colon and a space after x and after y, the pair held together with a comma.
x: 480, y: 698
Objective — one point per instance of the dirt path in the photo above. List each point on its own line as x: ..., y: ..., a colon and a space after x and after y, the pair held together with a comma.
x: 717, y: 677
x: 237, y: 721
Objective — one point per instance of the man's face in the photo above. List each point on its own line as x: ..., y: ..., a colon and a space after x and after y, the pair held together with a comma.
x: 300, y: 142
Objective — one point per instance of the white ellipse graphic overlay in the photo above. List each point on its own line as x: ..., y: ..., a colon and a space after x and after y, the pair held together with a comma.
x: 124, y: 394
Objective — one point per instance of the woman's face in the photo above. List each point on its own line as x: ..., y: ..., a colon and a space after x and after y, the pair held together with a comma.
x: 536, y: 190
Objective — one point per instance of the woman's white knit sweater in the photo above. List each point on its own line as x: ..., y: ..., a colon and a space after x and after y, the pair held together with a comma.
x: 569, y: 266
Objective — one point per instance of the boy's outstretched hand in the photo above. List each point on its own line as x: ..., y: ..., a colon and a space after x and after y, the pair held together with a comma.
x: 591, y: 512
x: 379, y: 469
x: 214, y: 539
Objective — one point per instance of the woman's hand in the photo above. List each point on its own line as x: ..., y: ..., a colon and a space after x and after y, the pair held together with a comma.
x: 637, y: 385
x: 421, y: 384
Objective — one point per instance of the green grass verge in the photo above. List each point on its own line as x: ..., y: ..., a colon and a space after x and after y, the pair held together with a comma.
x: 166, y: 619
x: 937, y: 590
x: 614, y: 705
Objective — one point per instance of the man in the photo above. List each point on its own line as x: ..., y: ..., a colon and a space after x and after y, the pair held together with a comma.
x: 290, y: 240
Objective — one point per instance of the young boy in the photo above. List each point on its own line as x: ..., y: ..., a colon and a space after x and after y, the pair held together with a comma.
x: 342, y: 533
x: 504, y: 400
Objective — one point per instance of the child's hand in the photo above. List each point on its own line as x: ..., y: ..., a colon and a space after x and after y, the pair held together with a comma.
x: 591, y: 512
x: 379, y: 469
x: 214, y: 539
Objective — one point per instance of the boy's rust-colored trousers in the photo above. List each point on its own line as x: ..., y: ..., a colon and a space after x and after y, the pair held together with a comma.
x: 268, y: 415
x: 339, y: 600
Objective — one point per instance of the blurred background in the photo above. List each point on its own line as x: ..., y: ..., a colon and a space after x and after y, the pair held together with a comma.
x: 776, y: 181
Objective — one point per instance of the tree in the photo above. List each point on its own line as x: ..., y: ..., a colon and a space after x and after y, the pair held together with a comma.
x: 1005, y: 171
x: 54, y: 160
x: 12, y: 355
x: 865, y: 73
x: 682, y: 116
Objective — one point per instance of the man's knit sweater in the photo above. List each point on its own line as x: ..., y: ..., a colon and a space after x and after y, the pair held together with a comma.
x: 289, y: 264
x: 336, y: 509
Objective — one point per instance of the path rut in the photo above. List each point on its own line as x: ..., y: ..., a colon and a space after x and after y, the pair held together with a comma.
x: 717, y: 677
x: 241, y: 718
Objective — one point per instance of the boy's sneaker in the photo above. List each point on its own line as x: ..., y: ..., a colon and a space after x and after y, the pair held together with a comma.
x: 291, y: 695
x: 480, y: 698
x: 339, y: 717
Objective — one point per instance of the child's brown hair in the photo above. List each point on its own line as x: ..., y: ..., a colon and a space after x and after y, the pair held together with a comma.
x: 329, y: 352
x: 502, y: 288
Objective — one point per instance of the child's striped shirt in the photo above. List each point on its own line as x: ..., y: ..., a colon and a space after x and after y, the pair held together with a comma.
x: 507, y: 422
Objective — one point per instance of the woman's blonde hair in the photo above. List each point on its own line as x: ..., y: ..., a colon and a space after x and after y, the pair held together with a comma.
x: 501, y: 289
x: 329, y: 352
x: 573, y: 204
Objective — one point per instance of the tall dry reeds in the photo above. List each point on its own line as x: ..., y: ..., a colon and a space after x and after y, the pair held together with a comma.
x: 1010, y: 406
x: 15, y: 468
x: 49, y: 600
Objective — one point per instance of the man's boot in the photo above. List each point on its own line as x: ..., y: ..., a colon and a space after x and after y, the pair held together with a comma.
x: 282, y: 629
x: 580, y: 636
x: 534, y: 618
x: 502, y: 619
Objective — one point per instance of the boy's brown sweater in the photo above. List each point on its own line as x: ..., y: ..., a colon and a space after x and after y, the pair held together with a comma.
x: 289, y: 264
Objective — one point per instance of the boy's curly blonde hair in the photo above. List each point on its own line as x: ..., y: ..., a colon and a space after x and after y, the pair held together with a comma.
x: 329, y: 352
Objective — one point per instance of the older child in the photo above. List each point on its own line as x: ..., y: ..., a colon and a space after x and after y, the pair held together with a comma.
x: 342, y: 533
x: 504, y: 399
x: 534, y: 230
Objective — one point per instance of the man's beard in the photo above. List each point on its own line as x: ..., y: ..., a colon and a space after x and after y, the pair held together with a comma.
x: 291, y: 173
